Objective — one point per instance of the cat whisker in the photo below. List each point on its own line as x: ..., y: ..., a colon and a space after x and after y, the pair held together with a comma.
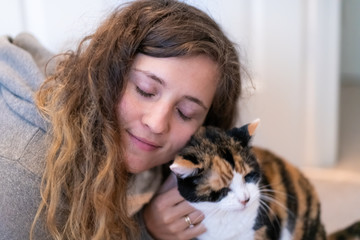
x: 270, y: 188
x: 263, y: 203
x: 273, y: 200
x: 271, y: 193
x: 264, y: 207
x: 264, y: 200
x: 213, y: 212
x: 267, y: 190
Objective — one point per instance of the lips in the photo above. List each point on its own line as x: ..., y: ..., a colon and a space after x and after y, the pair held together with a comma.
x: 143, y: 144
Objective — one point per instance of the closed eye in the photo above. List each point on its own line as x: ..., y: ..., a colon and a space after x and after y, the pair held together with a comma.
x: 252, y: 177
x: 143, y: 93
x: 216, y: 196
x: 183, y: 116
x: 225, y: 190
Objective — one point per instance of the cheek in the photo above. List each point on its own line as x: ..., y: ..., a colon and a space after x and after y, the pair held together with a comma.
x: 229, y: 202
x: 120, y: 109
x: 254, y: 192
x: 176, y: 141
x: 180, y: 136
x: 125, y: 108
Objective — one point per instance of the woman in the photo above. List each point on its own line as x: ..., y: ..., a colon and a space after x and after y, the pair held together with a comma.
x: 118, y: 109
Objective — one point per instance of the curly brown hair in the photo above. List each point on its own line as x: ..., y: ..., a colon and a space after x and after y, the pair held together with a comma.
x: 85, y: 181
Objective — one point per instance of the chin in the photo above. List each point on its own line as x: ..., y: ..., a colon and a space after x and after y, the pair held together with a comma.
x: 135, y: 168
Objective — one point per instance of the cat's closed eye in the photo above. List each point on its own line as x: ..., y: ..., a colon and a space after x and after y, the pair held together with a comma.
x: 225, y: 190
x: 252, y: 177
x: 222, y: 193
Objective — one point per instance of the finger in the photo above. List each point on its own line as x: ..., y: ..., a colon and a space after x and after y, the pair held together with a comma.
x: 193, y: 218
x: 193, y: 232
x: 196, y: 217
x: 171, y: 198
x: 169, y: 183
x: 176, y: 213
x: 183, y: 209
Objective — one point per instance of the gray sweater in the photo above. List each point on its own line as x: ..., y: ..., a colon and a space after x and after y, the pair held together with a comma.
x: 22, y: 132
x: 23, y: 145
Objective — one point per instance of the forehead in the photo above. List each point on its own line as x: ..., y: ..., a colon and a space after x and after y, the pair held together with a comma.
x: 195, y: 75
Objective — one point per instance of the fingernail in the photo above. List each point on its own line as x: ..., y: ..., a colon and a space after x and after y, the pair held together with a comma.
x: 202, y: 228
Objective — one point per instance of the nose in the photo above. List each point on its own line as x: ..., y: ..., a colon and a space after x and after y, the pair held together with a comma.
x: 244, y: 201
x: 244, y: 198
x: 157, y: 118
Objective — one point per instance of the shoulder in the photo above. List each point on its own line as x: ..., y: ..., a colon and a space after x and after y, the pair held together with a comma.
x: 21, y: 165
x: 22, y: 143
x: 22, y: 161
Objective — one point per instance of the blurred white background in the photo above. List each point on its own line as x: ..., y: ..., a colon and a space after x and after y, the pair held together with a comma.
x: 303, y: 57
x: 299, y: 54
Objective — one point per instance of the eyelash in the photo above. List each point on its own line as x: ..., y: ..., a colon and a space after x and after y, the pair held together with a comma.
x: 143, y: 93
x: 183, y: 116
x: 149, y: 95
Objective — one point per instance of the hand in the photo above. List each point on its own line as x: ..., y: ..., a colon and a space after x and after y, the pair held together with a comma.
x: 165, y: 215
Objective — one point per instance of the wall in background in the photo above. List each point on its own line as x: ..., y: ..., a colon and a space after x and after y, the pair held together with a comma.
x: 57, y: 24
x: 290, y: 49
x: 350, y: 42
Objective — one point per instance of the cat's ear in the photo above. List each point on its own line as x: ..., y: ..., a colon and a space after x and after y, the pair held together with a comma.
x: 243, y: 134
x: 184, y: 168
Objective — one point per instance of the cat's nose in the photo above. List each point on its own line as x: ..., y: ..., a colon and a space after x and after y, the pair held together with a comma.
x: 245, y: 201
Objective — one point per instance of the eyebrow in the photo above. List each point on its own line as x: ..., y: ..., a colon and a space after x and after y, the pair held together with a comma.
x: 152, y: 76
x: 162, y: 82
x: 197, y: 101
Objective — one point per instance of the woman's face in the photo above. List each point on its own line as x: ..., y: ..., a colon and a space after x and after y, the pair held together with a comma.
x: 166, y: 100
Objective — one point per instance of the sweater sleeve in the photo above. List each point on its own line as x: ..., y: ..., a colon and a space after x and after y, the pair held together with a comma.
x: 22, y: 143
x: 144, y: 234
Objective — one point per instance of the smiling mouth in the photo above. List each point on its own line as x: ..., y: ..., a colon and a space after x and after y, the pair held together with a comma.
x: 143, y: 144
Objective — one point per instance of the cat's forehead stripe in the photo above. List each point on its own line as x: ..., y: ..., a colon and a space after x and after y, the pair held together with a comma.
x: 186, y: 163
x: 221, y: 174
x: 190, y: 157
x: 226, y: 154
x: 240, y: 165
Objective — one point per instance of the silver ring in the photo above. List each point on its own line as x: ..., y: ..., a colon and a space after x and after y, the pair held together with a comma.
x: 188, y: 221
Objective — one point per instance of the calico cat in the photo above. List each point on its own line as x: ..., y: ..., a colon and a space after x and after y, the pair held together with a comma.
x: 351, y: 232
x: 243, y: 191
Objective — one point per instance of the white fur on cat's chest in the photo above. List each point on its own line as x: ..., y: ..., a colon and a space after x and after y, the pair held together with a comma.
x: 226, y: 225
x: 228, y: 219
